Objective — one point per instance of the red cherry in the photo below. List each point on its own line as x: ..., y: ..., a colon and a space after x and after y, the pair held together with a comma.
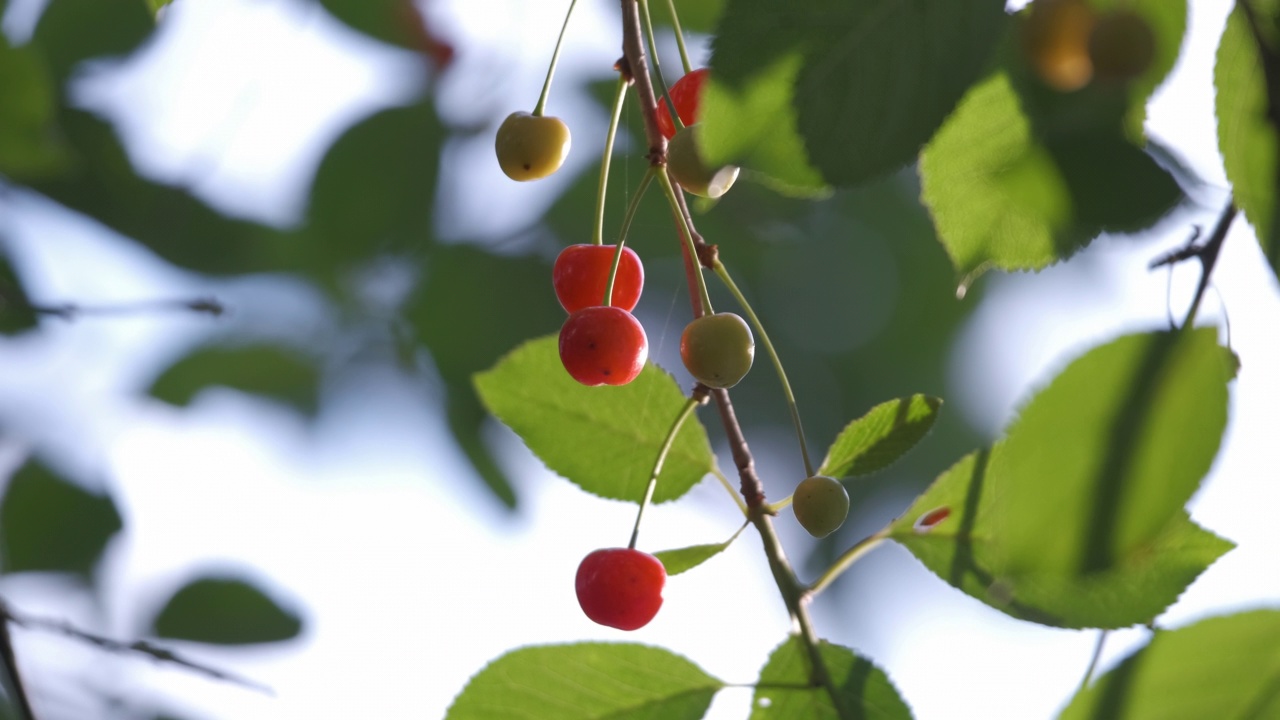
x: 603, y: 345
x: 686, y: 94
x: 582, y: 272
x: 620, y: 587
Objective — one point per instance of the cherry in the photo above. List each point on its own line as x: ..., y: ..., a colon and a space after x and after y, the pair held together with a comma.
x: 620, y: 587
x: 531, y: 146
x: 1122, y: 46
x: 821, y: 504
x: 603, y: 345
x: 1055, y: 39
x: 685, y: 164
x: 687, y: 95
x: 718, y: 349
x: 581, y: 274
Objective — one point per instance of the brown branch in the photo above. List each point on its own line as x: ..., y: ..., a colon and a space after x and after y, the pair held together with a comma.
x: 633, y: 51
x: 1208, y: 255
x: 137, y: 647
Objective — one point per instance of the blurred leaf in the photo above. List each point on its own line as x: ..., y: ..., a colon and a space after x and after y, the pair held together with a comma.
x: 71, y: 31
x: 1248, y: 141
x: 1001, y: 197
x: 15, y: 307
x: 29, y: 145
x: 603, y: 439
x: 865, y: 84
x: 225, y: 611
x: 682, y: 559
x: 1223, y: 667
x: 398, y: 22
x: 699, y: 16
x: 877, y: 439
x: 1076, y: 519
x: 264, y: 370
x: 373, y: 192
x: 587, y: 681
x: 104, y: 185
x: 864, y: 688
x: 50, y: 524
x: 754, y: 126
x: 157, y: 5
x: 473, y: 307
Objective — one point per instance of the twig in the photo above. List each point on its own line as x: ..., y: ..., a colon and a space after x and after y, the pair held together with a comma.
x: 137, y: 647
x: 1209, y: 258
x: 72, y: 311
x: 1093, y: 661
x: 14, y: 678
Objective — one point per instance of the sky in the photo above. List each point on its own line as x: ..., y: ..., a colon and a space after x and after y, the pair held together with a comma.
x: 408, y: 577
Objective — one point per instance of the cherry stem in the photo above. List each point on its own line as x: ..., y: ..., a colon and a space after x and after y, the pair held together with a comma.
x: 1093, y: 661
x: 541, y: 107
x: 697, y: 399
x: 598, y: 236
x: 845, y: 561
x: 626, y: 228
x: 684, y: 52
x: 686, y: 235
x: 723, y: 274
x: 657, y: 66
x: 724, y: 481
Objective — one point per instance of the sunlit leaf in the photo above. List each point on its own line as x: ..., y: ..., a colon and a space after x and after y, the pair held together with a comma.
x: 682, y: 559
x: 1076, y: 518
x: 50, y: 524
x: 865, y: 691
x: 588, y: 681
x: 225, y: 611
x: 265, y: 370
x: 1248, y: 140
x: 603, y: 439
x: 1002, y: 197
x: 1223, y: 667
x: 877, y: 439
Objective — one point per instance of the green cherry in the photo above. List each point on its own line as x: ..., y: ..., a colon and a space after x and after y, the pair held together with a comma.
x: 530, y: 147
x: 687, y: 168
x: 821, y: 504
x: 717, y: 350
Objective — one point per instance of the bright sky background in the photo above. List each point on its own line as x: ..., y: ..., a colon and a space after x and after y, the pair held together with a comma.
x: 409, y: 577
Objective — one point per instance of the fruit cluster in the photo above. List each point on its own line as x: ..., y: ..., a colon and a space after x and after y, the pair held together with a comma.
x: 602, y: 343
x: 1069, y: 44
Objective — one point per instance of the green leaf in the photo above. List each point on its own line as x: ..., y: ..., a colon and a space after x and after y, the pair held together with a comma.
x: 1076, y: 518
x: 695, y: 16
x: 1248, y: 141
x: 603, y: 439
x: 225, y: 611
x: 29, y: 145
x: 398, y: 22
x: 1223, y: 667
x: 876, y: 440
x: 678, y: 561
x: 754, y: 126
x: 373, y: 192
x: 50, y: 524
x: 261, y: 370
x: 15, y: 307
x: 587, y: 681
x: 157, y: 5
x: 1002, y: 197
x: 865, y: 690
x: 71, y: 31
x: 865, y: 84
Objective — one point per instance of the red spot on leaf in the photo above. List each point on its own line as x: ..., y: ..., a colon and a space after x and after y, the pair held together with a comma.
x: 931, y: 519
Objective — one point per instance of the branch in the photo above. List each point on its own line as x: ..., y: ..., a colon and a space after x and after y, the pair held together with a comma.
x: 1208, y: 255
x: 13, y: 677
x: 72, y: 311
x: 137, y: 647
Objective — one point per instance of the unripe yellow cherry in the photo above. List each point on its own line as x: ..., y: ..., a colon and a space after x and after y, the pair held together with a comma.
x: 718, y: 349
x: 821, y: 504
x: 687, y: 168
x: 531, y: 146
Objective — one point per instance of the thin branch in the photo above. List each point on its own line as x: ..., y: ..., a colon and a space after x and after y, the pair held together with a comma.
x: 1093, y: 661
x: 137, y: 647
x: 14, y: 678
x: 73, y: 311
x: 1209, y: 258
